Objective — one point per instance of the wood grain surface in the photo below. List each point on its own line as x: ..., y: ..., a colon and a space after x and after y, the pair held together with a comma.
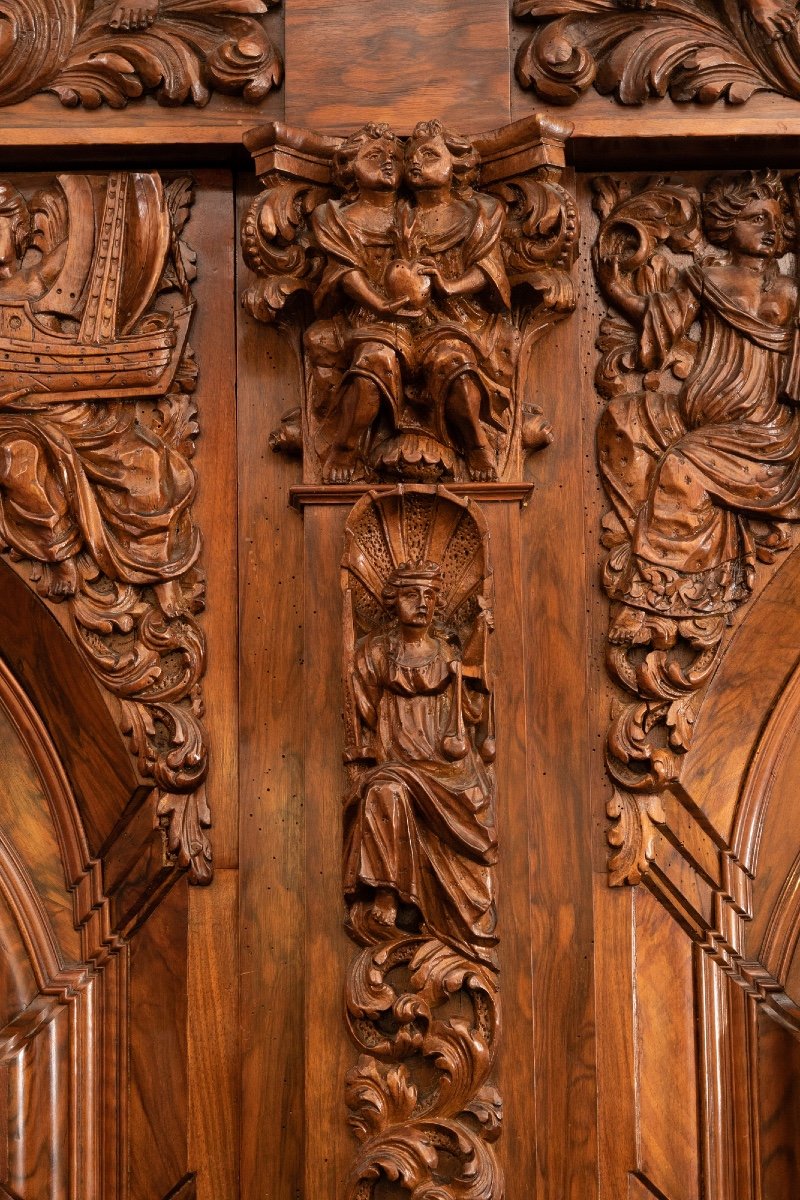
x: 419, y: 60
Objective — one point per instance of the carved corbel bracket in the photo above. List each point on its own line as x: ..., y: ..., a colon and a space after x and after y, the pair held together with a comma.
x: 421, y: 272
x: 97, y: 430
x: 700, y: 50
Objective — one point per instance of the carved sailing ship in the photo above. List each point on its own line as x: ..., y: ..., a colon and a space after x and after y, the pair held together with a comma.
x: 117, y: 350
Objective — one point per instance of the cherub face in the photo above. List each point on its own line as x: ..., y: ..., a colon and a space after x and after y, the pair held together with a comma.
x: 415, y: 605
x: 758, y: 229
x: 429, y: 164
x: 378, y: 165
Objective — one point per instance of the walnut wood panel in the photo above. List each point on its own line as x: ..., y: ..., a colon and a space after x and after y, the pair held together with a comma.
x: 553, y: 580
x: 424, y: 59
x: 214, y: 1053
x: 271, y: 796
x: 666, y: 1083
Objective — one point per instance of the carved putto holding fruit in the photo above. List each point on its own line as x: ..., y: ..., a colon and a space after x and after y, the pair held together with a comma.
x: 422, y: 285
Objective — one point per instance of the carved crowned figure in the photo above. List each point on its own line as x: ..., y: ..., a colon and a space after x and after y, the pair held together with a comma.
x: 420, y: 825
x: 420, y: 839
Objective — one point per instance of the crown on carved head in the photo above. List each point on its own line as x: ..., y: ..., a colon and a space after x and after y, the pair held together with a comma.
x: 425, y: 572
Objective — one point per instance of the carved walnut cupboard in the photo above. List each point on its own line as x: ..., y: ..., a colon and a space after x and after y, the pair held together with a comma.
x: 399, y: 617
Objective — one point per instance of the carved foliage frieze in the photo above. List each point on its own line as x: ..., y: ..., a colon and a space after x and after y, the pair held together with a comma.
x: 700, y: 50
x: 421, y: 271
x: 699, y: 451
x: 114, y: 51
x: 420, y: 847
x: 97, y: 430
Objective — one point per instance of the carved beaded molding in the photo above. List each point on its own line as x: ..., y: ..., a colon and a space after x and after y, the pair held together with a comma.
x: 97, y: 429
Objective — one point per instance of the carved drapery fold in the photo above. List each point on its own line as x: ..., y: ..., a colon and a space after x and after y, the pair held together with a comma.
x: 432, y: 265
x: 699, y: 451
x: 700, y: 50
x: 97, y: 428
x: 420, y: 846
x: 114, y: 51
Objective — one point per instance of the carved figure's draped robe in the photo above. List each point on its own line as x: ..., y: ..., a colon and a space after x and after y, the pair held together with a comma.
x: 685, y: 471
x: 419, y: 823
x: 453, y: 336
x: 77, y: 475
x: 89, y: 474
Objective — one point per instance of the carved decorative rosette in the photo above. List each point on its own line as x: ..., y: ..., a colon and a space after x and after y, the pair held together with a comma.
x: 421, y: 272
x: 97, y: 430
x: 700, y: 50
x: 699, y: 451
x: 421, y: 994
x: 115, y: 51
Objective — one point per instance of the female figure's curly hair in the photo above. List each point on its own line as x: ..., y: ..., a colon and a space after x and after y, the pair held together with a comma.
x: 345, y: 156
x: 726, y: 198
x: 13, y: 205
x: 466, y: 159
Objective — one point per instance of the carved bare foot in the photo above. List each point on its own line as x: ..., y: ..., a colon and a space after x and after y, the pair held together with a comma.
x: 170, y: 598
x: 340, y: 467
x: 63, y: 578
x: 384, y: 908
x: 775, y: 17
x: 480, y: 465
x: 138, y: 14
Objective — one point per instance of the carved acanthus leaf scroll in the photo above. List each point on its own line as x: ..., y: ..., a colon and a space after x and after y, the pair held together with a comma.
x: 700, y: 50
x: 421, y: 996
x: 699, y: 451
x: 118, y: 50
x: 97, y: 430
x: 432, y: 265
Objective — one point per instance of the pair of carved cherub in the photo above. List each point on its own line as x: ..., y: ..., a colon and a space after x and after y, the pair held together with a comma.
x: 419, y: 334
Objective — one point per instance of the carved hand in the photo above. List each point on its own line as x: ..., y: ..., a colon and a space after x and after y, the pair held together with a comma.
x: 776, y: 18
x: 139, y: 14
x: 610, y: 280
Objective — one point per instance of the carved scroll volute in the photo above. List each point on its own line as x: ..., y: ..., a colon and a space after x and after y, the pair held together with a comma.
x: 117, y: 50
x: 701, y: 50
x: 422, y: 271
x: 97, y: 428
x: 699, y: 450
x: 420, y: 847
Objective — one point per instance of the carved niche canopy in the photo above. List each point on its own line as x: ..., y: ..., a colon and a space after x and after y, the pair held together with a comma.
x: 113, y: 51
x: 699, y: 451
x: 700, y: 50
x: 97, y: 429
x: 422, y: 271
x: 420, y: 847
